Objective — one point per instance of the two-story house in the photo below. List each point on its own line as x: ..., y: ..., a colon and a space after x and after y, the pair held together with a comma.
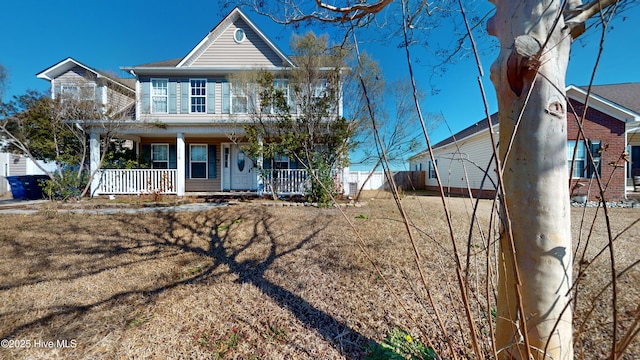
x: 188, y: 119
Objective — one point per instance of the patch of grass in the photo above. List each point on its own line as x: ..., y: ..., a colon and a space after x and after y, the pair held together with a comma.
x: 139, y: 321
x: 219, y: 347
x: 362, y: 216
x: 400, y: 345
x: 275, y: 332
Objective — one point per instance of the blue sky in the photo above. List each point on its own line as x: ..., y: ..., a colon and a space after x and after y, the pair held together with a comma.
x: 107, y: 35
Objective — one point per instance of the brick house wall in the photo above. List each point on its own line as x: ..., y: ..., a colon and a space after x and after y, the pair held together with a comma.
x: 611, y: 132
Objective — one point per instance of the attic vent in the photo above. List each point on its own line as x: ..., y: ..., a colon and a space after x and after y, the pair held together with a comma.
x: 239, y: 35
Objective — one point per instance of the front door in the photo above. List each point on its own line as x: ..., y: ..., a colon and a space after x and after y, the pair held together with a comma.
x: 635, y: 161
x: 237, y: 169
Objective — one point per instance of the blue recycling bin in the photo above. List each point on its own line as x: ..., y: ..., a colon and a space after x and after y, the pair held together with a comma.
x: 26, y: 187
x: 17, y: 188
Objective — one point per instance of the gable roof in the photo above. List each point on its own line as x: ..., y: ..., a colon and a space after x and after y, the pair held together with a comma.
x: 621, y: 101
x: 193, y: 61
x: 626, y: 95
x: 69, y: 63
x: 465, y: 133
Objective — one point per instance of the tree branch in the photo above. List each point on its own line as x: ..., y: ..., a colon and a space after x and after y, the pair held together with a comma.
x: 575, y: 18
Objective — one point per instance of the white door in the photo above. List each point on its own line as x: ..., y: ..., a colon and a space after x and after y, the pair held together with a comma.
x: 237, y: 169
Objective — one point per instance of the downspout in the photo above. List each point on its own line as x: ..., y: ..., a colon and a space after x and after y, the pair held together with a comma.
x: 132, y: 72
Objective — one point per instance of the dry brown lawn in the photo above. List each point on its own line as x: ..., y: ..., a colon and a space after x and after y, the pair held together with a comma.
x: 263, y: 282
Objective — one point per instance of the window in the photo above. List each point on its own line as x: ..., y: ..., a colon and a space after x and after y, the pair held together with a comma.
x: 78, y: 91
x: 432, y: 169
x: 280, y: 85
x: 239, y: 100
x: 582, y: 167
x: 160, y: 156
x: 580, y: 160
x: 320, y: 88
x: 159, y: 96
x: 198, y: 96
x: 239, y: 35
x: 198, y: 161
x: 596, y: 153
x: 281, y: 162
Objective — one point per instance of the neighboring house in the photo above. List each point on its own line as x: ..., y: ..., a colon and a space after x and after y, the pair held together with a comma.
x: 612, y: 128
x: 188, y: 119
x: 15, y: 165
x: 71, y: 78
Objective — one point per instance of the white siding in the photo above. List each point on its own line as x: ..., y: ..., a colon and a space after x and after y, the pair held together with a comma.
x: 463, y: 164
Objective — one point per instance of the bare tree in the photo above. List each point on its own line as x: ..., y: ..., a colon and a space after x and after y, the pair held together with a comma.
x: 534, y: 319
x: 57, y: 129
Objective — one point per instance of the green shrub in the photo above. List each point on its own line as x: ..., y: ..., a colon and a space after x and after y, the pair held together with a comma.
x: 400, y: 345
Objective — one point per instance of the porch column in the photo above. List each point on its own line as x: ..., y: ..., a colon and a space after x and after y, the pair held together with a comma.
x: 260, y: 166
x: 94, y: 161
x: 180, y: 158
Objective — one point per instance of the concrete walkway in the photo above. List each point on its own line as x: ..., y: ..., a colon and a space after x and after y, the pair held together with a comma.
x: 27, y: 207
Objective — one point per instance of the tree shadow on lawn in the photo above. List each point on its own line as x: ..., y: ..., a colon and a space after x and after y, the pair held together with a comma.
x: 244, y: 242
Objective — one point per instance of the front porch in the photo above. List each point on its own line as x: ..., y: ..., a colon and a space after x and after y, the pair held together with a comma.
x: 166, y: 181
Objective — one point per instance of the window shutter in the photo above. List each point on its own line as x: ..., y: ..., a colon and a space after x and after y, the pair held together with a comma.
x: 211, y: 97
x: 173, y: 157
x: 212, y: 162
x: 145, y: 154
x: 145, y: 101
x: 226, y: 98
x: 173, y: 97
x: 184, y: 97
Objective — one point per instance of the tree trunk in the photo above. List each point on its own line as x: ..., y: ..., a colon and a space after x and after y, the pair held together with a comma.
x: 529, y: 77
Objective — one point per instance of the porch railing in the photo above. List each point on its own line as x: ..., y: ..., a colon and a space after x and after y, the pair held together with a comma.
x: 137, y: 181
x: 286, y: 182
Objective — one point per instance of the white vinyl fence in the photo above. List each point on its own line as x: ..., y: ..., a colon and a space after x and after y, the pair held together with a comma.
x: 355, y: 180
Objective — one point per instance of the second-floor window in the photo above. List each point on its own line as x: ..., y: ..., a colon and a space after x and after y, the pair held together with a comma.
x: 159, y: 95
x: 198, y: 96
x: 282, y: 85
x: 78, y: 91
x: 239, y: 100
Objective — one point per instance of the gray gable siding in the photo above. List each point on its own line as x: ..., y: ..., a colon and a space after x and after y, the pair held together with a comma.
x: 76, y: 75
x: 224, y: 51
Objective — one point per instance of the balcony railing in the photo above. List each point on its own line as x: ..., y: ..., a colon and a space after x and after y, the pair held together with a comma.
x: 137, y: 181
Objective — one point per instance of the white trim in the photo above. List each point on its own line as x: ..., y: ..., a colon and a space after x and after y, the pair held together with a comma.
x: 139, y: 99
x: 601, y: 104
x: 181, y: 163
x: 235, y: 35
